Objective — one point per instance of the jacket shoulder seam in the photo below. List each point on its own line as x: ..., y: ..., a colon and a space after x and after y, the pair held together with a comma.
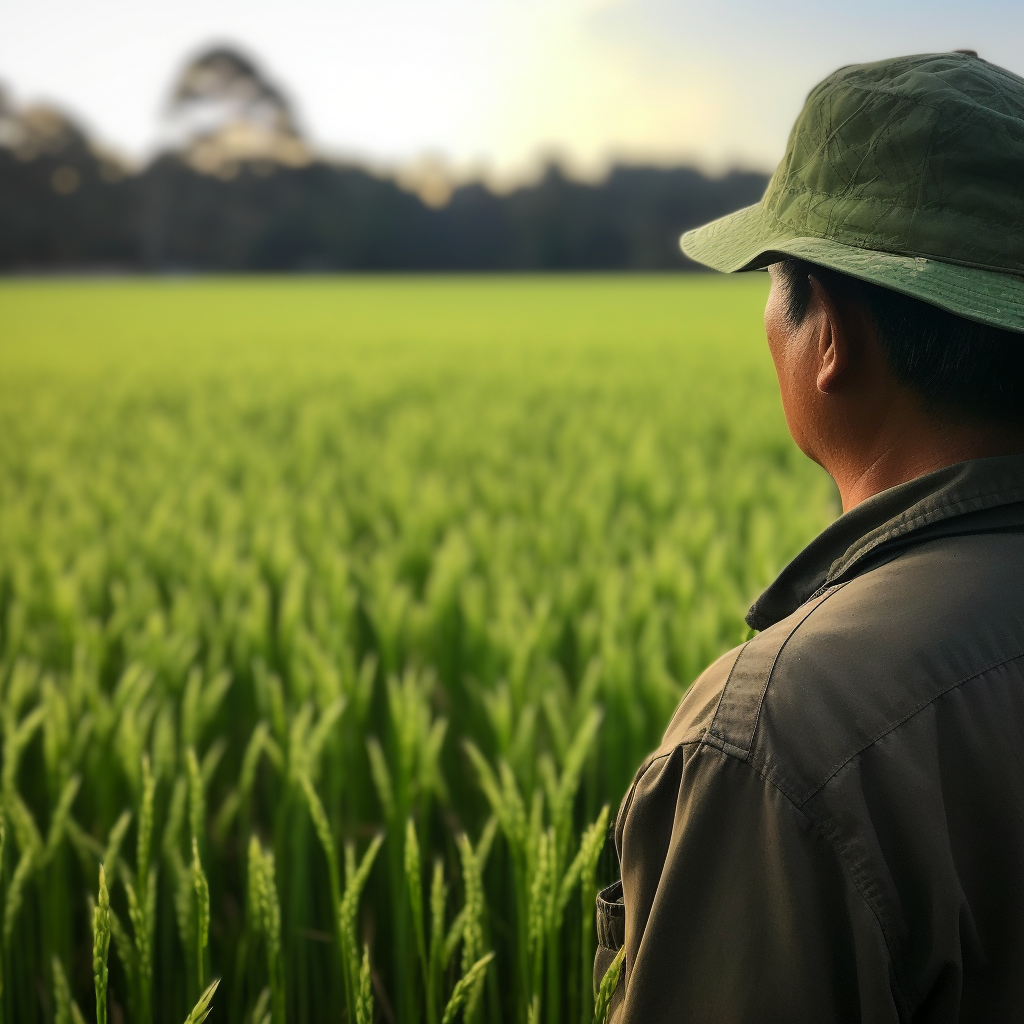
x: 825, y: 597
x: 728, y: 679
x: 765, y: 675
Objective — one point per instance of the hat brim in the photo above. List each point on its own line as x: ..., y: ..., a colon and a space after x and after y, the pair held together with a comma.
x: 751, y: 239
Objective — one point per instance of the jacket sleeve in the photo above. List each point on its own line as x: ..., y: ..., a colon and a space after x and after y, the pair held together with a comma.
x: 737, y: 909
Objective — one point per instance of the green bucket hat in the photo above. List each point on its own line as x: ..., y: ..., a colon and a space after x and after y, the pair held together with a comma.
x: 908, y: 173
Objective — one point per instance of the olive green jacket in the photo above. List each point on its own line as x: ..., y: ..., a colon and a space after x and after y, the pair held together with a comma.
x: 833, y: 827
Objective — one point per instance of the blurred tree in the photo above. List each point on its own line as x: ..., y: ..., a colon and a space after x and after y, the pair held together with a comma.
x: 223, y: 111
x: 63, y: 201
x: 236, y: 187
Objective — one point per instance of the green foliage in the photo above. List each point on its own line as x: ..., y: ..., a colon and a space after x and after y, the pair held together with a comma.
x: 201, y: 1010
x: 66, y: 1010
x: 466, y: 985
x: 357, y: 993
x: 265, y: 921
x: 609, y: 983
x: 336, y: 615
x: 202, y: 888
x: 364, y: 994
x: 100, y: 947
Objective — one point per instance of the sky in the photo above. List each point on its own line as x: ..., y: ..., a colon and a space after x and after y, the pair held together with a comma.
x: 491, y: 86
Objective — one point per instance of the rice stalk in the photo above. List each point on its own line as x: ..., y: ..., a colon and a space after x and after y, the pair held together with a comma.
x: 584, y: 867
x: 439, y: 950
x: 414, y: 885
x: 609, y: 983
x: 464, y: 987
x: 323, y: 832
x: 58, y: 821
x: 355, y: 880
x: 142, y: 896
x: 141, y: 916
x: 364, y: 993
x: 66, y: 1010
x: 261, y: 1012
x: 5, y: 932
x: 112, y: 853
x: 202, y: 1009
x: 196, y: 795
x: 203, y: 579
x: 265, y: 910
x: 16, y: 891
x: 202, y: 891
x: 473, y: 911
x: 100, y: 948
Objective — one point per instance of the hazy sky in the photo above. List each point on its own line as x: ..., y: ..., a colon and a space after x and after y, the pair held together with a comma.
x: 492, y: 82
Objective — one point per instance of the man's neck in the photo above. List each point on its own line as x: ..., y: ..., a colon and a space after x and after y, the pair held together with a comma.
x: 913, y: 449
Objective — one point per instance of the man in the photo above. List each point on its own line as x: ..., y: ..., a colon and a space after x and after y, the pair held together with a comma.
x: 833, y: 827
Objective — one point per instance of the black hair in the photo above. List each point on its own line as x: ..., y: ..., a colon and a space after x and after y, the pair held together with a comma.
x: 962, y: 369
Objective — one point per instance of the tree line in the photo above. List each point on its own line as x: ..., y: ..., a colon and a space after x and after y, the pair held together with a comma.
x: 273, y: 205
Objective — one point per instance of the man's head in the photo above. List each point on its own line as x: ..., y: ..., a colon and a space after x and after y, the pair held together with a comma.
x: 862, y: 368
x: 896, y: 319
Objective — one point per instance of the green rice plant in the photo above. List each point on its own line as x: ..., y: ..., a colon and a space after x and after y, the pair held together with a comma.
x: 264, y: 908
x: 17, y: 736
x: 15, y: 890
x: 142, y: 896
x: 465, y: 987
x: 4, y: 934
x: 260, y: 1012
x: 343, y: 937
x: 466, y: 929
x: 138, y: 951
x: 182, y: 873
x: 323, y: 832
x: 357, y: 995
x: 584, y: 867
x: 296, y: 570
x: 507, y: 806
x: 100, y: 948
x: 202, y: 889
x: 409, y: 775
x: 472, y: 915
x: 414, y: 884
x: 196, y: 796
x: 127, y: 955
x: 364, y: 992
x: 609, y: 983
x: 59, y: 819
x: 66, y: 1010
x: 112, y: 853
x: 201, y: 1010
x: 537, y: 909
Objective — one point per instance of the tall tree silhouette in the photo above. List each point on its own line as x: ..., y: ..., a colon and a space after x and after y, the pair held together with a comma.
x: 224, y: 110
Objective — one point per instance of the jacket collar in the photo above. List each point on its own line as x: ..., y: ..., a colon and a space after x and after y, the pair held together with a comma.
x: 946, y: 501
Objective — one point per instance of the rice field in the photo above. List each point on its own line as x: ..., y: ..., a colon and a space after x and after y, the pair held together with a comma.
x: 336, y: 615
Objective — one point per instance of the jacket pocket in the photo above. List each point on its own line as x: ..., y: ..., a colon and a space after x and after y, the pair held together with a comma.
x: 611, y: 930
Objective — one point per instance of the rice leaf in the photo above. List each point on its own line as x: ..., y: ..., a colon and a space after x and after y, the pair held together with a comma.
x: 202, y: 1008
x: 464, y: 987
x: 100, y: 948
x: 609, y: 983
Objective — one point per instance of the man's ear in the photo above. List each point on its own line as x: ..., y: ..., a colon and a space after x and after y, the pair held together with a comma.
x: 833, y: 339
